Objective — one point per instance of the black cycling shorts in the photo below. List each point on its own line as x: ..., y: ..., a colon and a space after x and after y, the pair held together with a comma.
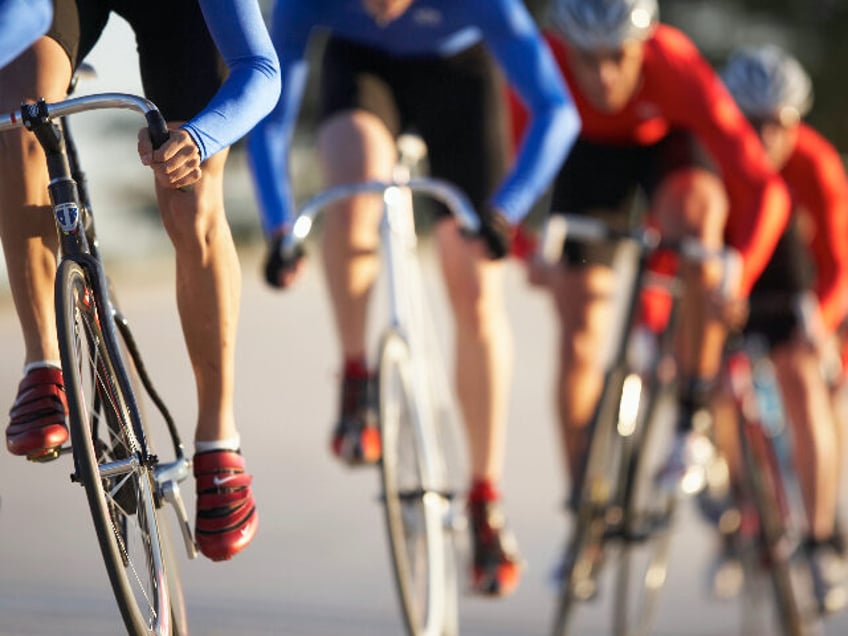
x: 454, y: 103
x: 181, y: 68
x: 774, y: 298
x: 604, y: 180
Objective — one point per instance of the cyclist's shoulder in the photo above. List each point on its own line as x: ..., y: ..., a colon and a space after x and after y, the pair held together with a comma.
x: 670, y: 48
x: 815, y: 158
x: 813, y: 143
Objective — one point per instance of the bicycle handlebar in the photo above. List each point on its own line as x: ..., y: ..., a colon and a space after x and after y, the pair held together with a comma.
x: 41, y: 109
x: 561, y: 227
x: 438, y: 189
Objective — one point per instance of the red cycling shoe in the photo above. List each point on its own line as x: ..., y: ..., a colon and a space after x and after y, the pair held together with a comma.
x: 496, y: 566
x: 356, y: 438
x: 37, y: 418
x: 226, y: 512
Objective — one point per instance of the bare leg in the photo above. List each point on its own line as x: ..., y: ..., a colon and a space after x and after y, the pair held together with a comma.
x: 693, y: 203
x: 27, y: 228
x: 208, y: 293
x: 582, y: 298
x: 351, y: 237
x: 808, y: 408
x: 483, y: 346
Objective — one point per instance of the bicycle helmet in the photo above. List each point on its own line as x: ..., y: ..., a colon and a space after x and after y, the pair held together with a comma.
x: 604, y: 24
x: 768, y: 83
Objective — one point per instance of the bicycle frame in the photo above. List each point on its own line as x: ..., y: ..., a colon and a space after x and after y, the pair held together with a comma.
x: 78, y: 242
x: 768, y: 482
x: 605, y: 487
x: 407, y: 319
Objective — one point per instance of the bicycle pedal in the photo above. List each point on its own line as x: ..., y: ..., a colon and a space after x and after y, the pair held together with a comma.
x: 45, y: 456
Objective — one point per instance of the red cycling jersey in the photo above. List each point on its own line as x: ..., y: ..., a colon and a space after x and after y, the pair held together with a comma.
x: 680, y: 90
x: 818, y: 187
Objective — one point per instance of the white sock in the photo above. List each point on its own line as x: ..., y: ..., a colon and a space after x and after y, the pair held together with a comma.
x: 231, y: 443
x: 43, y: 364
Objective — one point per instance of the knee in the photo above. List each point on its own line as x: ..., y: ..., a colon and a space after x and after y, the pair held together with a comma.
x: 580, y: 349
x: 693, y: 203
x: 193, y: 222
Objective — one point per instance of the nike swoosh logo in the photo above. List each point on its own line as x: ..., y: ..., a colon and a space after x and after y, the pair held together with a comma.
x: 220, y: 481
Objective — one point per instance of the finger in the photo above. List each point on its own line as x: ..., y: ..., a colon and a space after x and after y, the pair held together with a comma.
x: 145, y: 147
x: 187, y: 161
x: 184, y: 177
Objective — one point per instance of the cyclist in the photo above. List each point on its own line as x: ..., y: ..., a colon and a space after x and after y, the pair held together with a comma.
x: 426, y: 64
x: 183, y: 73
x: 656, y: 118
x: 775, y: 92
x: 21, y: 22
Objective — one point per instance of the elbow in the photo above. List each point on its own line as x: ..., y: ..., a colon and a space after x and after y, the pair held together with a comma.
x: 568, y: 121
x: 561, y: 117
x: 44, y: 16
x: 266, y: 73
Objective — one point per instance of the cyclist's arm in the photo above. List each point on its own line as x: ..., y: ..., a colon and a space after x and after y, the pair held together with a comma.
x: 826, y: 199
x: 759, y: 200
x: 269, y: 143
x: 21, y: 23
x: 252, y: 87
x: 512, y: 37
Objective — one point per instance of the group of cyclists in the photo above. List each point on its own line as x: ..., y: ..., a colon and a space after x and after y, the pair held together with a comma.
x: 607, y: 103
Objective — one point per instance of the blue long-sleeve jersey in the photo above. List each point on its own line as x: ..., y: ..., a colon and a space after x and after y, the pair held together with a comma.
x: 428, y: 27
x: 21, y: 23
x: 253, y: 84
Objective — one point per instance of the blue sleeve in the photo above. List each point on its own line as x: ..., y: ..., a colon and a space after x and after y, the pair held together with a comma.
x: 512, y: 37
x: 21, y: 23
x: 269, y: 143
x: 253, y: 85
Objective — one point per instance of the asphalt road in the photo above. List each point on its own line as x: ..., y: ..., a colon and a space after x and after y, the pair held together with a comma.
x: 319, y: 564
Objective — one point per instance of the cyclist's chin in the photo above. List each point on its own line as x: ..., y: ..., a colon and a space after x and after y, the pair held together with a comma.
x: 385, y: 11
x: 608, y: 101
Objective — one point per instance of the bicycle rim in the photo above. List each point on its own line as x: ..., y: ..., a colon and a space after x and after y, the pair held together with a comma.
x: 107, y: 458
x: 775, y: 545
x: 176, y: 597
x: 645, y: 541
x: 597, y: 511
x: 421, y: 548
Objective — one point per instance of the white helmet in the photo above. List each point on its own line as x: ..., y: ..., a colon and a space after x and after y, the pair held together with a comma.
x: 767, y: 82
x: 604, y: 24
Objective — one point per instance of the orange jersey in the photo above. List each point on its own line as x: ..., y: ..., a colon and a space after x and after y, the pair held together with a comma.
x: 680, y: 90
x: 818, y: 187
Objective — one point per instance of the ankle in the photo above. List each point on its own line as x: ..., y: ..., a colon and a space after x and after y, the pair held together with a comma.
x: 483, y: 490
x: 355, y: 367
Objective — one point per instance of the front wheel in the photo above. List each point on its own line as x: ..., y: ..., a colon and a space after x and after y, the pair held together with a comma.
x: 108, y: 458
x: 416, y: 508
x: 648, y: 512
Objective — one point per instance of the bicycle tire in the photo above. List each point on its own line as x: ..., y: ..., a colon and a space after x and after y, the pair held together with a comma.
x: 763, y: 486
x: 645, y: 541
x: 129, y: 351
x: 108, y: 459
x: 597, y: 510
x: 416, y: 512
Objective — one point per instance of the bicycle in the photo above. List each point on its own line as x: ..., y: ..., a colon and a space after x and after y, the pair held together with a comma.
x: 617, y: 500
x: 416, y: 416
x: 113, y: 455
x: 767, y: 519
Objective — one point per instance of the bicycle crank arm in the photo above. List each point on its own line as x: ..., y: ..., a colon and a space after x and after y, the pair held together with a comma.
x: 168, y: 477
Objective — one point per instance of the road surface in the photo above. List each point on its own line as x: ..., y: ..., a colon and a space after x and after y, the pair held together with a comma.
x: 318, y: 566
